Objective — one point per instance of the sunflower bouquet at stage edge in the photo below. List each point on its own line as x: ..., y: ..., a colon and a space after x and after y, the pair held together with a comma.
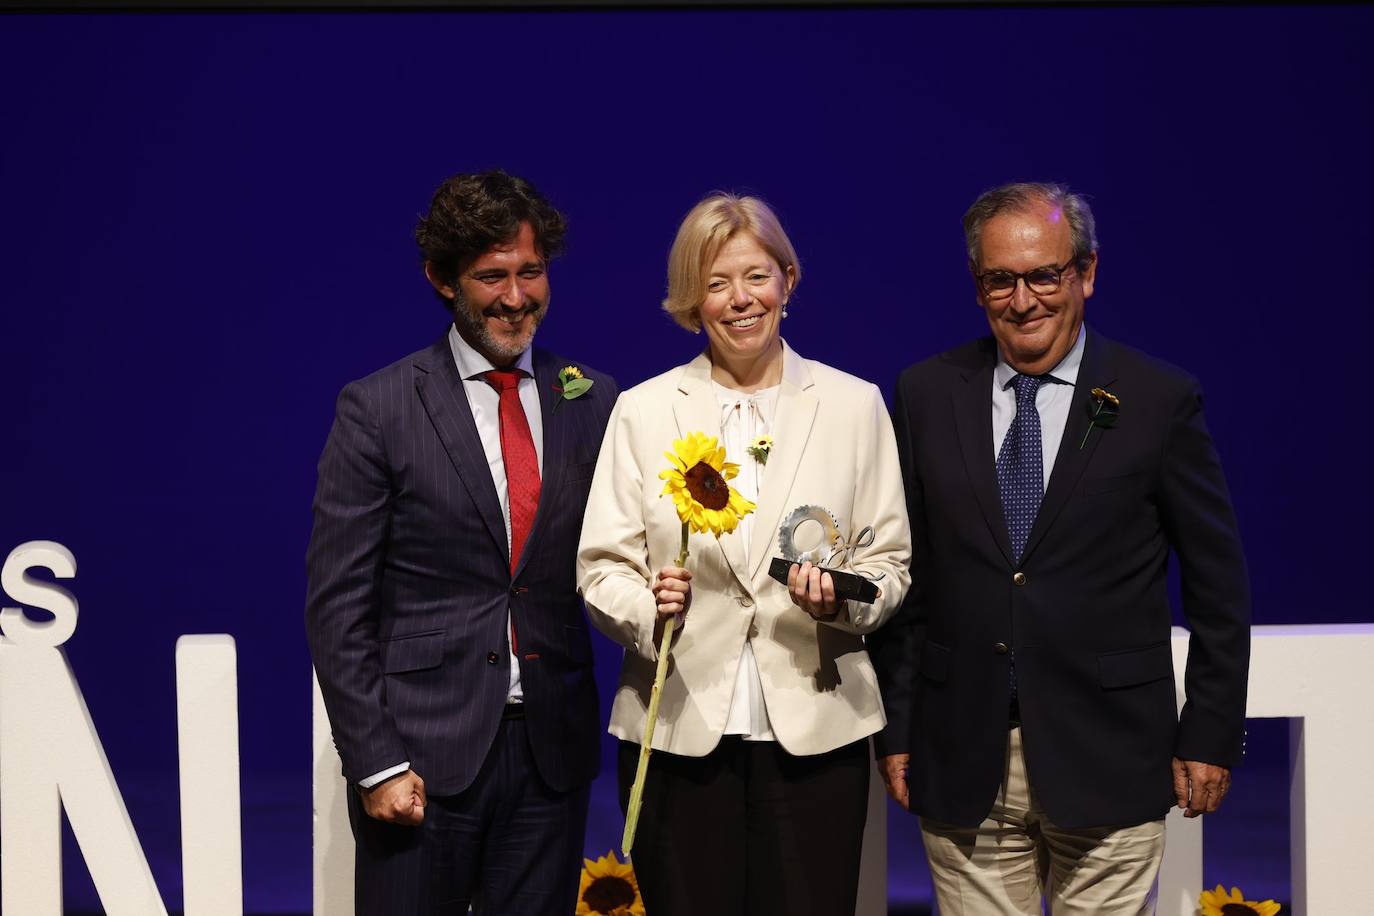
x: 698, y: 482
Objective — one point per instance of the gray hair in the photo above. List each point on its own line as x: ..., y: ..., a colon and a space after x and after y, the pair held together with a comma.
x: 1025, y: 195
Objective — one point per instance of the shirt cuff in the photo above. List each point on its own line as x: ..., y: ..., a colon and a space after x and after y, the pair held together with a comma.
x: 384, y: 775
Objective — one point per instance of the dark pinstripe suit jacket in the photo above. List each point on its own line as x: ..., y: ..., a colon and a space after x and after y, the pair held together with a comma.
x: 409, y: 580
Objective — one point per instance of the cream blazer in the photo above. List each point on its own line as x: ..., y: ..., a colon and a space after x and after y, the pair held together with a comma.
x: 833, y: 446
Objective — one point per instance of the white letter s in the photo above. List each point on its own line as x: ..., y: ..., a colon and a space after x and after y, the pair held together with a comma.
x: 21, y: 587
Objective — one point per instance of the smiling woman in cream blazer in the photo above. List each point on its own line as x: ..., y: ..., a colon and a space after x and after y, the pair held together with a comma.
x: 755, y: 801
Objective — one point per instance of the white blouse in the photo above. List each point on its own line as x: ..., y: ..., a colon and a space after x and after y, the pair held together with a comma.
x: 743, y: 418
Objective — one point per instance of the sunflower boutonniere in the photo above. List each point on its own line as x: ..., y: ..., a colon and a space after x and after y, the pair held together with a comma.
x: 760, y: 448
x: 1103, y: 410
x: 571, y: 384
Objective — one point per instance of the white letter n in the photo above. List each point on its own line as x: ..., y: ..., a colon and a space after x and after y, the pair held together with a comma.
x: 51, y: 758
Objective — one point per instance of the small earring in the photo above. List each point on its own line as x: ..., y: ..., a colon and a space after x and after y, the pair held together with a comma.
x: 784, y: 310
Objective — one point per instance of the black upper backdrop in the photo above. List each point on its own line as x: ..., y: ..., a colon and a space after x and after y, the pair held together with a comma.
x: 207, y: 231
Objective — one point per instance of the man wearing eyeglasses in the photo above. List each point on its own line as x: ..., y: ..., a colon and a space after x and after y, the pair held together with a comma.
x: 1028, y: 680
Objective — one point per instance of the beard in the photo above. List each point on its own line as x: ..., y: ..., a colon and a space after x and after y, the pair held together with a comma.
x: 500, y: 349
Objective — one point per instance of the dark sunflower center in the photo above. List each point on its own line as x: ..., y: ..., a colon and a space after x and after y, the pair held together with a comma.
x: 707, y: 486
x: 1237, y: 909
x: 605, y: 894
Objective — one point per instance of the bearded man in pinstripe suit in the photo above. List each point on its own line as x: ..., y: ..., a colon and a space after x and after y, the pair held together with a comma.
x: 442, y: 613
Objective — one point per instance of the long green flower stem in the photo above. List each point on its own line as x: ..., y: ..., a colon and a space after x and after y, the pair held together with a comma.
x: 627, y: 841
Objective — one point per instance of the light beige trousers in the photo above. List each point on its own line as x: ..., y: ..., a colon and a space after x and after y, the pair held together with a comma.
x: 1017, y: 857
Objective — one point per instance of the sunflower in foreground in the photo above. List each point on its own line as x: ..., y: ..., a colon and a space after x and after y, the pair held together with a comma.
x: 608, y: 888
x: 698, y: 483
x: 1217, y: 903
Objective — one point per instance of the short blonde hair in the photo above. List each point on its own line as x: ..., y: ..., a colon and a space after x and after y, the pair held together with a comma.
x: 704, y: 231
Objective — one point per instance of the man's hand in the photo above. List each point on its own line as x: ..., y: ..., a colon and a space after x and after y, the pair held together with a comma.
x: 398, y: 800
x: 893, y: 770
x: 813, y: 591
x: 1199, y: 787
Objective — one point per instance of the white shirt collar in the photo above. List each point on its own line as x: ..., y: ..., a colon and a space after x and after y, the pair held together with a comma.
x: 1066, y: 371
x: 472, y: 364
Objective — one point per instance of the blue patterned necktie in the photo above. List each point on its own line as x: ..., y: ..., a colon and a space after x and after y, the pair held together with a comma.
x: 1021, y: 479
x: 1020, y: 473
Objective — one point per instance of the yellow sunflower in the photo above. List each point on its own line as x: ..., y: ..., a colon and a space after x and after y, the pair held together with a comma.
x: 1217, y: 903
x: 608, y: 888
x: 697, y: 483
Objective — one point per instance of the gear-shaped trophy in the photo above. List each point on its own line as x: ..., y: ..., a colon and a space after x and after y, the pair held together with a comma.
x: 799, y: 543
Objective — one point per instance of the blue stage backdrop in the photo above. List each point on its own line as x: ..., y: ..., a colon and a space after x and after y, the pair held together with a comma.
x: 206, y: 231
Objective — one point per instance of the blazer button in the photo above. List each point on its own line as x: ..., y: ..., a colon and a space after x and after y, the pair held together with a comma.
x: 1000, y: 647
x: 492, y: 658
x: 745, y: 601
x: 1019, y: 578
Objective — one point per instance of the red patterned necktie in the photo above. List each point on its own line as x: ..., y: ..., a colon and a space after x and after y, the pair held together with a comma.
x: 522, y: 464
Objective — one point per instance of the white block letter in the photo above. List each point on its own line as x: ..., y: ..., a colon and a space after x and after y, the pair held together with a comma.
x: 17, y: 583
x: 208, y: 748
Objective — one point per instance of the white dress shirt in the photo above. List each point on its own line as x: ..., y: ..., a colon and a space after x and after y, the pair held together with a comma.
x: 485, y: 402
x: 1052, y: 402
x: 743, y: 418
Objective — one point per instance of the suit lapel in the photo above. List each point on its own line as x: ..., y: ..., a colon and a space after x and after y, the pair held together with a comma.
x: 972, y: 405
x: 796, y: 414
x: 440, y: 389
x: 1071, y: 460
x: 555, y: 448
x: 698, y: 410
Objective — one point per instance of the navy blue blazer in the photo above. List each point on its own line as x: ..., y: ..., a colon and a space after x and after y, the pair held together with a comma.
x: 1087, y: 610
x: 409, y: 580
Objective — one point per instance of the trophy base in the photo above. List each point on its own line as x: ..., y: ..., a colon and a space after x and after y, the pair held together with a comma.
x: 847, y: 585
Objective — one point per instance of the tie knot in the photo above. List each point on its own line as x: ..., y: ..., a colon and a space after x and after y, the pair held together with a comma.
x: 503, y: 379
x: 1026, y: 387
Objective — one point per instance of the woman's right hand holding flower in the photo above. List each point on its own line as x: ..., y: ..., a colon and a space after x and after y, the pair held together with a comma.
x: 673, y: 593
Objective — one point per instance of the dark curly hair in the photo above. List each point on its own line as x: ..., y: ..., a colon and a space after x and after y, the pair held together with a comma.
x: 471, y: 213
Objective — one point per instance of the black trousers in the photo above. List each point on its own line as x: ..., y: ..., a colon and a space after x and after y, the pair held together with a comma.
x: 508, y: 845
x: 749, y: 830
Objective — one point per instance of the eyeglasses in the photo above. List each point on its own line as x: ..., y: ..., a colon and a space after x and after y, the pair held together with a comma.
x: 999, y: 284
